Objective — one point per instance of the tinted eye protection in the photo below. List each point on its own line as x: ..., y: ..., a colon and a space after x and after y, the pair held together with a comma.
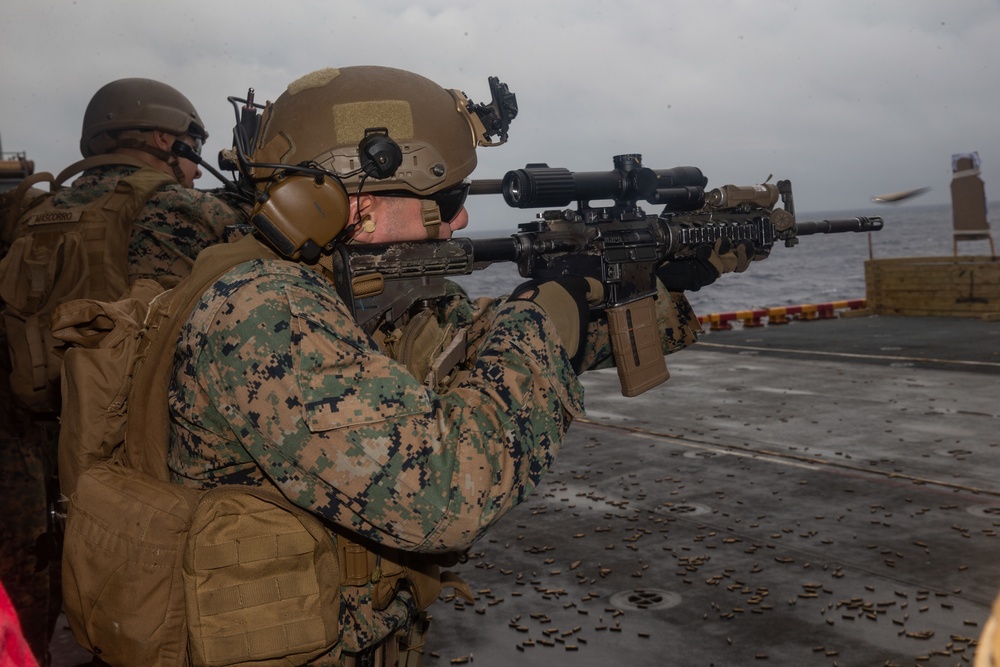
x: 449, y: 202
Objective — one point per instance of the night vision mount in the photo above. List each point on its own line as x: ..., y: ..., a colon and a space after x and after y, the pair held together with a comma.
x: 496, y: 115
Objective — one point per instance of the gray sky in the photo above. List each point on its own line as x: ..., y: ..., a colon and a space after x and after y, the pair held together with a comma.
x: 847, y: 99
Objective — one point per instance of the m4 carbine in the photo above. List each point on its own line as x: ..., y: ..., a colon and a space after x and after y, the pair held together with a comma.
x: 618, y: 244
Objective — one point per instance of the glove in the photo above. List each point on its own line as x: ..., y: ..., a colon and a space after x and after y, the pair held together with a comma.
x: 565, y: 301
x: 734, y: 259
x: 704, y: 268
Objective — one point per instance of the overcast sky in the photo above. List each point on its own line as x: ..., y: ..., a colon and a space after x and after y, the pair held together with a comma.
x: 847, y: 99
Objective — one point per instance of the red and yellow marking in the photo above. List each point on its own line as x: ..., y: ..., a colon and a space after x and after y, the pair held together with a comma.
x: 779, y: 315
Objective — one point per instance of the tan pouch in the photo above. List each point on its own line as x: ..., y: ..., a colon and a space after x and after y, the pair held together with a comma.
x: 122, y: 585
x: 262, y: 582
x: 155, y: 572
x: 34, y: 278
x: 97, y: 374
x: 385, y: 571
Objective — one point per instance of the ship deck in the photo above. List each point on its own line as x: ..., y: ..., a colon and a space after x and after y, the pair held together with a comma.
x: 817, y: 493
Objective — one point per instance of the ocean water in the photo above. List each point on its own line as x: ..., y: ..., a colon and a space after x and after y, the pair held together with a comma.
x: 821, y: 268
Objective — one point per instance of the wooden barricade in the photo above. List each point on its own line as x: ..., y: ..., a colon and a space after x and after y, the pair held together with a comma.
x: 960, y: 286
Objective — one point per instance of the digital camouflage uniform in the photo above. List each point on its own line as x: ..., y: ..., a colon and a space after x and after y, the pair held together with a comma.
x: 274, y: 382
x: 175, y: 225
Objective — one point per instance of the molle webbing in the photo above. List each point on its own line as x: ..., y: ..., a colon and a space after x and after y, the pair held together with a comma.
x: 59, y: 254
x: 104, y: 226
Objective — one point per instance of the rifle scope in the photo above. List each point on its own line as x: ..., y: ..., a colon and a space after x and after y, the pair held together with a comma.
x: 540, y: 186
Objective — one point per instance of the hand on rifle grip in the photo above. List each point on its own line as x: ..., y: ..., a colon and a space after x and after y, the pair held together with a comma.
x: 690, y: 274
x: 735, y: 259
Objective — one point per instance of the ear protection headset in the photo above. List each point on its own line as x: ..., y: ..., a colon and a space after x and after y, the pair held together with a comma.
x: 304, y: 210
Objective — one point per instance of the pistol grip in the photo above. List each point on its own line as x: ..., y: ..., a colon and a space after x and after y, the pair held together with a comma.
x: 635, y: 341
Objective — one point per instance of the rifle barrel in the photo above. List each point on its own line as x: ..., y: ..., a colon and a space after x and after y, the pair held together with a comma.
x: 857, y: 224
x: 486, y: 186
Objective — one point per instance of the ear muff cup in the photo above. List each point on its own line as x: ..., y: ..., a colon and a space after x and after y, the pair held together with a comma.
x: 301, y: 214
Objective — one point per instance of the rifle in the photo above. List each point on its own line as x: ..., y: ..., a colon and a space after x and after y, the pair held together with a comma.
x: 384, y: 283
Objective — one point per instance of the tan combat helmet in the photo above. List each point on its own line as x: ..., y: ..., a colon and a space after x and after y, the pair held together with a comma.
x: 363, y: 130
x: 323, y: 117
x: 136, y: 104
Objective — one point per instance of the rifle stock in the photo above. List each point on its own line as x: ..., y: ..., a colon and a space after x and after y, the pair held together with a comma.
x: 619, y: 244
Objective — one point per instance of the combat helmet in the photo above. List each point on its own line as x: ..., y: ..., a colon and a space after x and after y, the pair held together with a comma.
x: 363, y: 129
x: 323, y: 117
x: 136, y: 104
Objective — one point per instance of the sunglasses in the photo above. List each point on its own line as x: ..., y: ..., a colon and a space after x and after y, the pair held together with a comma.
x: 197, y: 143
x: 449, y: 202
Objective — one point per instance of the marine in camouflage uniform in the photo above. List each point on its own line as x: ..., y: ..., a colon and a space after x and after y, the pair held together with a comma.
x: 176, y: 223
x: 275, y: 383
